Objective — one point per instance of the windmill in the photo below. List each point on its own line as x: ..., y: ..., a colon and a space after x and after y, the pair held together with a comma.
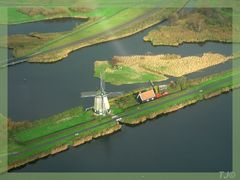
x: 101, y: 104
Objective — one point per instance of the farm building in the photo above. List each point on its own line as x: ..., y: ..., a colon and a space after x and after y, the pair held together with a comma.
x: 146, y: 96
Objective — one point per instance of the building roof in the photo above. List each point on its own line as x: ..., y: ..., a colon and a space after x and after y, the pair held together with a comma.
x: 147, y: 95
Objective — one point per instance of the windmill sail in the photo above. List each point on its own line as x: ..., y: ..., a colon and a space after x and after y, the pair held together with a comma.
x: 102, y: 84
x: 112, y: 94
x: 89, y: 94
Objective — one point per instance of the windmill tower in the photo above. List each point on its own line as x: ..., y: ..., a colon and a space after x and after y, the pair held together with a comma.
x: 101, y: 105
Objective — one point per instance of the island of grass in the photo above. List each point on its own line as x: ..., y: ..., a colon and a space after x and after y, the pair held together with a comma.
x: 33, y: 140
x: 138, y: 69
x: 103, y: 24
x: 121, y: 74
x: 198, y: 25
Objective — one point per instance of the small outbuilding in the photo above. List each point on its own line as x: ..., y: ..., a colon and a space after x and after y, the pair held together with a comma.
x: 146, y: 96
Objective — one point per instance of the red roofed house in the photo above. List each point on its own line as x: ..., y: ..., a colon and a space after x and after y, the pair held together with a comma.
x: 146, y: 96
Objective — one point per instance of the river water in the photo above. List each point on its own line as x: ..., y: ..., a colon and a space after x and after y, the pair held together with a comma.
x: 45, y: 26
x: 196, y: 138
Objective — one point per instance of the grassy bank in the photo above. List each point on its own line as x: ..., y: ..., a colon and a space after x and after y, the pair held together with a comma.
x: 49, y: 136
x: 197, y: 91
x: 54, y: 148
x: 139, y: 69
x: 199, y: 25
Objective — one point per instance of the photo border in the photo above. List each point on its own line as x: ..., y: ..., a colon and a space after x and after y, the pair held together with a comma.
x: 131, y: 176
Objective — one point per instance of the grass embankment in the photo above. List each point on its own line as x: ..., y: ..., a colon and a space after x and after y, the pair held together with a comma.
x: 199, y: 25
x: 99, y: 28
x: 55, y: 134
x: 197, y: 91
x: 138, y: 69
x: 53, y: 124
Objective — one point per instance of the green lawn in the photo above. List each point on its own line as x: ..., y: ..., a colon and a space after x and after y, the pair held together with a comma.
x: 124, y: 74
x: 53, y: 124
x: 64, y: 132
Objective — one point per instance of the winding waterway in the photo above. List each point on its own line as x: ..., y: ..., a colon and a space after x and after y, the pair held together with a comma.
x: 196, y: 138
x: 45, y: 26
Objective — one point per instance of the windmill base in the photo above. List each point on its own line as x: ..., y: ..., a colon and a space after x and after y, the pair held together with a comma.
x: 99, y: 113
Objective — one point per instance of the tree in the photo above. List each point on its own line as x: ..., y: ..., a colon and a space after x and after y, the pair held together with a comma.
x: 182, y: 82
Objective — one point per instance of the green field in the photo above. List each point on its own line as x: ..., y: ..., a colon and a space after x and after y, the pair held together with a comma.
x: 125, y: 74
x: 53, y: 124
